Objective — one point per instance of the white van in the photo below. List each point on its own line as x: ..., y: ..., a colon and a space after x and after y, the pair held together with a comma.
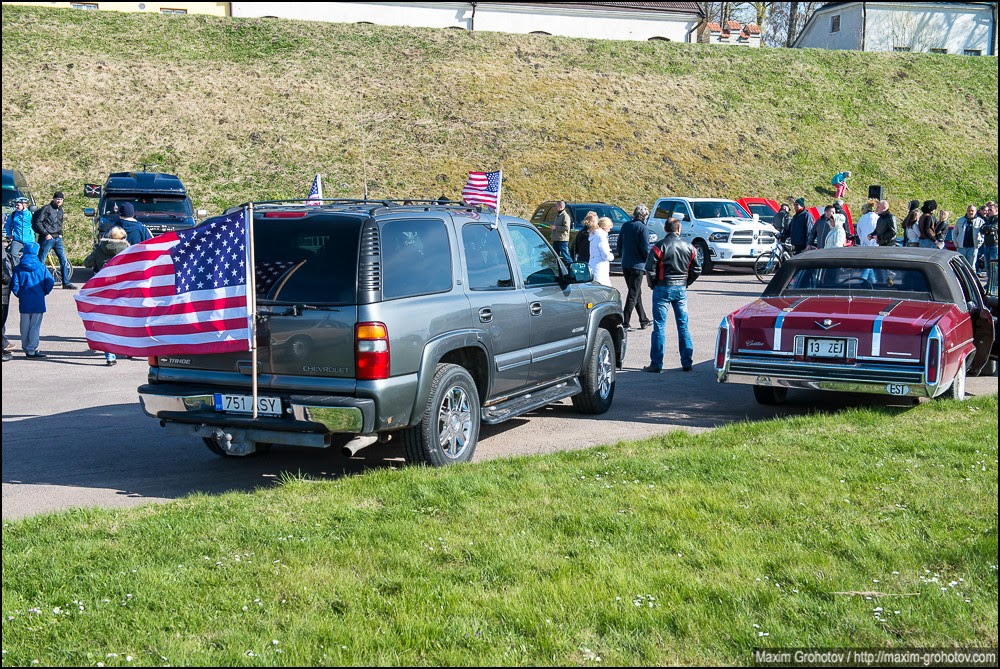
x: 720, y: 230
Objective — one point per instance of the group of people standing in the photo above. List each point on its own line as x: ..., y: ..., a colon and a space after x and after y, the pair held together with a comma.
x: 28, y: 239
x: 668, y: 267
x: 925, y: 225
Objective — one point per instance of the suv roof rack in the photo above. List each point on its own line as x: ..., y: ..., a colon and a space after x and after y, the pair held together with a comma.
x: 361, y: 204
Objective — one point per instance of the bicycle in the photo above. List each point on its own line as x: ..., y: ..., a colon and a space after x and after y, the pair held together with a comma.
x: 767, y: 263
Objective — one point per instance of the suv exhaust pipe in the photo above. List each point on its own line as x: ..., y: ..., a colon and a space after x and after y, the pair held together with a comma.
x: 352, y: 447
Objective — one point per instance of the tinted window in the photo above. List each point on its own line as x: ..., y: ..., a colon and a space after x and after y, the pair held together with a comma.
x: 664, y: 210
x: 306, y: 261
x: 616, y: 214
x: 539, y: 214
x: 718, y: 209
x: 539, y: 264
x: 9, y: 195
x: 766, y: 213
x: 839, y: 280
x: 416, y: 258
x: 485, y: 258
x: 146, y: 206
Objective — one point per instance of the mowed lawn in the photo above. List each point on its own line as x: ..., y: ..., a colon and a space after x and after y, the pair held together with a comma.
x: 871, y: 527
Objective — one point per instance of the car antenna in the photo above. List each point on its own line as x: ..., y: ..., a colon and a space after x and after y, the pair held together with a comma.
x: 361, y: 120
x: 145, y: 166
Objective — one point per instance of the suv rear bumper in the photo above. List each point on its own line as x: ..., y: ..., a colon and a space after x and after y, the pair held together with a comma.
x: 300, y: 413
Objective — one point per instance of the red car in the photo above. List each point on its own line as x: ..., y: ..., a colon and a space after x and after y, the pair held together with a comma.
x: 766, y: 209
x: 908, y: 322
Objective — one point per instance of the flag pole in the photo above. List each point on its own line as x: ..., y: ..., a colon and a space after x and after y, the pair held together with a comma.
x: 499, y: 193
x: 252, y: 303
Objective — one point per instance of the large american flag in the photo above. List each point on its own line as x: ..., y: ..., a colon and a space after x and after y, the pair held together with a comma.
x: 483, y: 188
x: 316, y: 192
x: 183, y: 292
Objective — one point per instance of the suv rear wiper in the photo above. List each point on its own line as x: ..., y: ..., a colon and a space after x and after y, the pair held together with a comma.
x: 293, y: 309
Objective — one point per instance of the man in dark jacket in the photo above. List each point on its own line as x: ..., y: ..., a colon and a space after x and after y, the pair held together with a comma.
x: 817, y: 235
x: 48, y: 223
x: 797, y: 232
x: 782, y: 218
x: 672, y: 266
x: 134, y: 230
x: 633, y: 249
x: 885, y: 226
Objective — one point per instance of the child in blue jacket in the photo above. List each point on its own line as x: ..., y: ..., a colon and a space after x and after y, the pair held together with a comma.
x: 31, y: 283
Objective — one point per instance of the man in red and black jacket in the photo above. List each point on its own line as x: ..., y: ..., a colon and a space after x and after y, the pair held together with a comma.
x: 672, y: 266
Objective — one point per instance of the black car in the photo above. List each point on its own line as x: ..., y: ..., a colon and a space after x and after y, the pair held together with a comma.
x: 546, y: 213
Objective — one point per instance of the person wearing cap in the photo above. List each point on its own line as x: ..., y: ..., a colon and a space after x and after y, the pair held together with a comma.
x: 839, y: 182
x: 17, y: 228
x: 134, y: 230
x: 797, y: 232
x: 48, y: 223
x: 32, y: 281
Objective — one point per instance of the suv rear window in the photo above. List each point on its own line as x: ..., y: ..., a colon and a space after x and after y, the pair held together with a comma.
x: 307, y: 261
x: 416, y: 258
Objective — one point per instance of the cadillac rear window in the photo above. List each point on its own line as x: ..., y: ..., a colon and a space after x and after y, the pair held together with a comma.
x: 307, y: 261
x: 841, y: 280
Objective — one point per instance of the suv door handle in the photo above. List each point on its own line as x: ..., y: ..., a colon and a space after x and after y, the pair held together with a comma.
x: 485, y: 315
x: 535, y: 308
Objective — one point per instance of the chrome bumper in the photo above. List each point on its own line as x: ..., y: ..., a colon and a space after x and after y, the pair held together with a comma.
x: 880, y: 380
x: 333, y: 415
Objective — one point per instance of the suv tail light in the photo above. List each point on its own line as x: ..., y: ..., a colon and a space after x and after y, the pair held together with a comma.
x: 934, y: 357
x: 371, y: 351
x: 153, y: 361
x: 722, y: 344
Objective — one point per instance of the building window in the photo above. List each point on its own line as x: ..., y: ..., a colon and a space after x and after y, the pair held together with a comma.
x: 84, y: 5
x: 973, y: 52
x: 835, y: 24
x: 901, y: 49
x: 164, y: 10
x: 939, y: 50
x: 659, y: 39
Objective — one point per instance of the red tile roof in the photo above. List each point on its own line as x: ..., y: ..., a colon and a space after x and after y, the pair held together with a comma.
x: 752, y: 29
x: 733, y: 25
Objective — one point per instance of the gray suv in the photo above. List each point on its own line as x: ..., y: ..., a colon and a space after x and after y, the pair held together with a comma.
x: 410, y: 323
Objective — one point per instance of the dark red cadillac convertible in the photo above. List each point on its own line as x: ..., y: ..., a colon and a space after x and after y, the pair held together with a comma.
x: 893, y: 321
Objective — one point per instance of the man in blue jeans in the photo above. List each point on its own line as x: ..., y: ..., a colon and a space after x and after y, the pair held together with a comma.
x: 672, y: 266
x: 48, y: 223
x: 559, y: 235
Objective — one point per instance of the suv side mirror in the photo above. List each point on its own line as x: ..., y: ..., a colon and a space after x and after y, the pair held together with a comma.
x: 579, y: 272
x: 89, y: 211
x: 679, y: 216
x: 201, y: 213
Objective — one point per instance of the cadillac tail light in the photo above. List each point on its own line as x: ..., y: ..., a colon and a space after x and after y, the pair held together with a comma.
x: 371, y: 351
x: 934, y: 349
x: 722, y: 344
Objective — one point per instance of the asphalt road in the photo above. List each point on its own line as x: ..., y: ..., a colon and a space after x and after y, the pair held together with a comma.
x: 74, y: 435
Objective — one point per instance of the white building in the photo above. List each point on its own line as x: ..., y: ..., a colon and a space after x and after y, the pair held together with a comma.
x: 733, y: 33
x: 671, y: 21
x: 963, y: 28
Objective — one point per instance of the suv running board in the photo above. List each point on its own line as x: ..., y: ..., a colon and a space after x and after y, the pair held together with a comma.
x: 522, y: 404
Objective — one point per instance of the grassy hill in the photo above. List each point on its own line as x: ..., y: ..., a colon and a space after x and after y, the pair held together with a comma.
x: 253, y: 108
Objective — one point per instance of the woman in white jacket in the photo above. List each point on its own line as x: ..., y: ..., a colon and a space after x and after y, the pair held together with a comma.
x: 837, y: 236
x: 600, y: 252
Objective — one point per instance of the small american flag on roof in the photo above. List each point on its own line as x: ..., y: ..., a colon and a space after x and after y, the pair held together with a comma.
x: 483, y: 188
x: 316, y: 192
